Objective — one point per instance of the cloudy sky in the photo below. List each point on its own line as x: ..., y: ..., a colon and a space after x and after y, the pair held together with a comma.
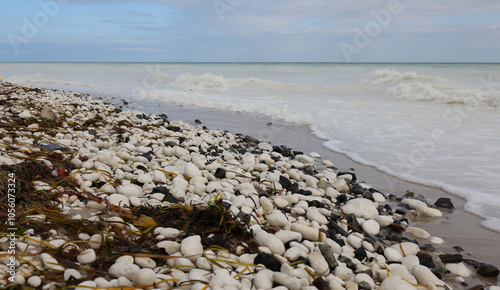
x: 250, y: 30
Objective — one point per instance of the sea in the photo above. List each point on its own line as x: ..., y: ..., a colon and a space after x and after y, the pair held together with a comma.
x: 436, y: 124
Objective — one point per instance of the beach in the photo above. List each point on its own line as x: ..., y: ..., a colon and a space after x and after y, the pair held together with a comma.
x: 296, y: 214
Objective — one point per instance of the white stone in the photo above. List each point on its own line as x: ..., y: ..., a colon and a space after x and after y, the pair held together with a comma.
x: 170, y: 247
x: 430, y: 212
x: 102, y: 283
x: 87, y: 257
x: 378, y: 197
x: 410, y: 261
x: 126, y: 270
x: 314, y: 215
x: 319, y: 264
x: 361, y: 208
x: 145, y: 262
x: 87, y: 284
x: 50, y: 262
x: 291, y: 283
x: 371, y: 227
x: 406, y: 248
x: 34, y: 281
x: 25, y: 114
x: 424, y: 276
x: 401, y: 271
x: 384, y: 220
x: 192, y: 248
x: 286, y: 236
x: 305, y: 159
x: 117, y: 199
x: 340, y: 185
x: 263, y: 279
x: 354, y: 241
x: 167, y: 232
x: 124, y: 282
x: 362, y: 277
x: 343, y: 272
x: 458, y: 269
x: 96, y: 241
x: 191, y: 170
x: 280, y: 202
x: 265, y: 146
x: 418, y: 232
x: 278, y: 219
x: 184, y: 264
x: 414, y: 203
x: 392, y: 255
x: 125, y: 259
x: 270, y: 241
x: 72, y: 273
x: 308, y: 233
x: 436, y: 240
x: 144, y: 277
x: 395, y: 282
x: 144, y: 178
x: 222, y: 278
x: 129, y: 190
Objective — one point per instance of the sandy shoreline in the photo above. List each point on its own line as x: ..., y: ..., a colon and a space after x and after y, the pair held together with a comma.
x: 457, y: 227
x: 110, y: 162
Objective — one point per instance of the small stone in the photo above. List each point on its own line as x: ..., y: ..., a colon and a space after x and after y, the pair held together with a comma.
x: 126, y: 270
x: 424, y: 276
x: 361, y: 208
x: 25, y: 114
x: 50, y: 262
x: 444, y: 202
x: 145, y: 262
x: 72, y: 273
x: 307, y: 232
x: 417, y: 232
x: 34, y: 281
x: 87, y: 257
x: 458, y: 269
x: 327, y: 252
x: 48, y: 114
x: 118, y: 200
x: 392, y: 255
x: 270, y: 241
x: 287, y: 281
x: 144, y: 277
x: 268, y: 260
x: 170, y: 247
x: 430, y: 212
x: 192, y: 248
x: 319, y: 264
x: 395, y: 282
x: 487, y: 270
x: 343, y: 272
x: 263, y: 279
x: 451, y: 258
x: 314, y: 215
x: 130, y: 190
x: 371, y: 227
x: 425, y: 259
x: 265, y: 146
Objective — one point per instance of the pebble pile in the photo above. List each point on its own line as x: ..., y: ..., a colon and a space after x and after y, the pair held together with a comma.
x: 121, y: 199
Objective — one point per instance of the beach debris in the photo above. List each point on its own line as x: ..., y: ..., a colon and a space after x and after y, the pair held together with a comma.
x: 114, y: 199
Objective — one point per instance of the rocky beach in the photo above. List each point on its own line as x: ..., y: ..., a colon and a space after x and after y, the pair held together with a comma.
x: 97, y: 197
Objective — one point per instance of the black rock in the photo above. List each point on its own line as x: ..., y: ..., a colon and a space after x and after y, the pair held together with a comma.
x: 352, y: 221
x: 451, y: 258
x: 98, y: 184
x: 348, y: 262
x: 269, y: 261
x: 197, y: 121
x: 358, y: 189
x: 220, y: 173
x: 320, y: 283
x: 174, y: 128
x: 363, y: 285
x: 342, y: 199
x: 458, y: 248
x: 338, y: 229
x: 444, y: 202
x: 425, y: 259
x: 428, y: 247
x: 285, y: 182
x: 472, y: 263
x: 360, y: 254
x: 440, y: 272
x: 244, y: 216
x: 487, y: 270
x: 294, y: 188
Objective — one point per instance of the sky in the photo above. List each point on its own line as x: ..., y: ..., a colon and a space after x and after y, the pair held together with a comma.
x: 250, y: 31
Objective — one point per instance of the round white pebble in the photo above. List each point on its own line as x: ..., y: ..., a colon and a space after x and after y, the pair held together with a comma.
x: 87, y: 257
x: 144, y: 277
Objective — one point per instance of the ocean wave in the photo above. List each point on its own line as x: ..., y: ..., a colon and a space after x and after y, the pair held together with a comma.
x: 45, y: 80
x: 424, y: 91
x: 385, y: 76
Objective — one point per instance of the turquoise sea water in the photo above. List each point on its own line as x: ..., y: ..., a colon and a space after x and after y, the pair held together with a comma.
x: 435, y: 124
